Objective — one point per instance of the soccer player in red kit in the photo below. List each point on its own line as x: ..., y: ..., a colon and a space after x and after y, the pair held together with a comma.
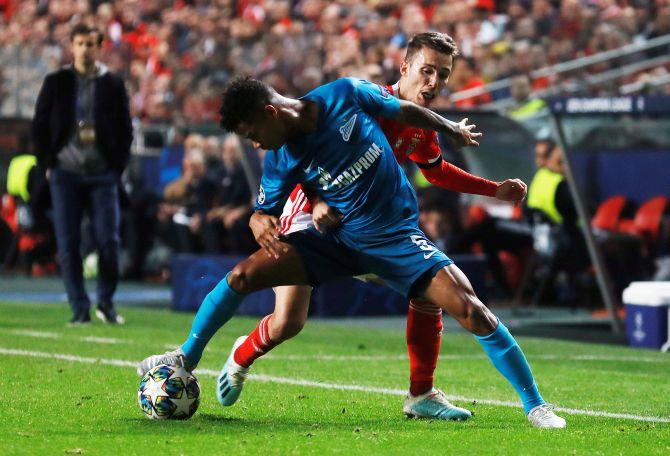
x: 424, y: 73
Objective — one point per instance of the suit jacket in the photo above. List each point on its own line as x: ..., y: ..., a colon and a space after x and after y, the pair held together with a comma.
x: 54, y: 120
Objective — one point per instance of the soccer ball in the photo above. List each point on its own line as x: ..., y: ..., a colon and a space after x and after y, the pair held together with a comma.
x: 169, y: 393
x: 90, y: 266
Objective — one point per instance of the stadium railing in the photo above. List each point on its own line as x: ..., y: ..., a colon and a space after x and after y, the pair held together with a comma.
x: 500, y: 87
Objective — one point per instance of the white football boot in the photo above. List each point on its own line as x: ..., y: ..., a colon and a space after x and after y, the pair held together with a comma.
x: 171, y: 358
x: 231, y: 380
x: 434, y: 405
x: 543, y: 417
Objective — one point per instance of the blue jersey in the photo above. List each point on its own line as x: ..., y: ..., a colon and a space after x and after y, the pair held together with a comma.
x: 346, y: 160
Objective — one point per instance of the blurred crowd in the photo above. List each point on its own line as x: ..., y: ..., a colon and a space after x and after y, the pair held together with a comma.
x: 177, y: 54
x: 204, y: 209
x: 175, y: 57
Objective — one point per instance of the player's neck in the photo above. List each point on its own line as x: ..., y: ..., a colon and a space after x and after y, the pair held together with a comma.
x: 400, y: 87
x: 301, y: 116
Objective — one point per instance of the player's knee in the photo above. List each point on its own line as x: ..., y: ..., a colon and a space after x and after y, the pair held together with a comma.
x: 282, y: 329
x: 478, y: 318
x: 238, y: 278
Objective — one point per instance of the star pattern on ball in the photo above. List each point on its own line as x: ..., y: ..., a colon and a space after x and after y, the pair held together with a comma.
x: 183, y: 406
x: 154, y: 389
x: 169, y: 392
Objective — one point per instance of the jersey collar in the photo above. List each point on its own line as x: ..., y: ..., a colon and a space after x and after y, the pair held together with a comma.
x: 396, y: 89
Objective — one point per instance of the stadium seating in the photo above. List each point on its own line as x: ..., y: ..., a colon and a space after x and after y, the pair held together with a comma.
x: 644, y: 225
x: 648, y: 218
x: 608, y: 214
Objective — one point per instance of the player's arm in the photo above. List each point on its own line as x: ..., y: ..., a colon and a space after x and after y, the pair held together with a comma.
x: 277, y: 183
x: 417, y: 116
x: 376, y: 100
x: 453, y: 178
x: 443, y: 174
x: 324, y: 217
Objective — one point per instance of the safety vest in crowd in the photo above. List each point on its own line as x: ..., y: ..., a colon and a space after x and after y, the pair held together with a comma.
x: 17, y: 176
x: 528, y: 109
x: 542, y: 193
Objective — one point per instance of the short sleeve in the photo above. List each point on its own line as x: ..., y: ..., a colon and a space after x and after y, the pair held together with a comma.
x: 428, y: 152
x: 375, y: 99
x: 277, y: 182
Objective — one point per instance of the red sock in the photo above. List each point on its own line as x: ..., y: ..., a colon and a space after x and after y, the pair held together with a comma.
x: 424, y: 334
x: 256, y: 345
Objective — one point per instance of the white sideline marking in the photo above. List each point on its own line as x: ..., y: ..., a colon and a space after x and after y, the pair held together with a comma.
x: 403, y: 357
x: 101, y: 340
x: 39, y: 334
x: 334, y: 386
x: 53, y: 335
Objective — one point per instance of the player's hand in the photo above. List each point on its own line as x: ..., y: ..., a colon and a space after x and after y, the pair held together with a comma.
x: 325, y: 217
x: 465, y: 135
x: 266, y: 232
x: 513, y: 190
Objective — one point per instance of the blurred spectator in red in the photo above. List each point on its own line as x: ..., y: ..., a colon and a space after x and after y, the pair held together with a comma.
x: 176, y: 56
x: 466, y: 77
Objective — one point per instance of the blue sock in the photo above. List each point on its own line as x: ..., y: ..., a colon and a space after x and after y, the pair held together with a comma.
x: 507, y: 357
x: 216, y: 309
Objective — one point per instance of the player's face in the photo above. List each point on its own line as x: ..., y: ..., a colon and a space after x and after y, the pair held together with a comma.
x: 85, y: 49
x: 265, y: 131
x: 425, y: 75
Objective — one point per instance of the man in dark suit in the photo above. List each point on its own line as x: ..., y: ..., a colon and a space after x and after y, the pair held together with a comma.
x: 83, y: 132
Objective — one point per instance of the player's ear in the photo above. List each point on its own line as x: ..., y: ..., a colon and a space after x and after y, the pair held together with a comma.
x: 269, y: 109
x: 404, y: 68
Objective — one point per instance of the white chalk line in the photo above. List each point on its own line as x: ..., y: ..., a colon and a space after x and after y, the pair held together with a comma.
x: 345, y: 358
x: 53, y: 335
x: 37, y: 334
x: 332, y: 386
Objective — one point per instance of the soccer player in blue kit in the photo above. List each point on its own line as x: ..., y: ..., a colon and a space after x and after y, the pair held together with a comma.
x: 330, y: 141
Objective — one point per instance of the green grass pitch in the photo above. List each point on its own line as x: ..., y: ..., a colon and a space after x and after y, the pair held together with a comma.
x: 73, y: 391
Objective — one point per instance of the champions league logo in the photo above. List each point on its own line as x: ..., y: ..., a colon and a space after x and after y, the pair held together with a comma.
x: 261, y: 195
x: 639, y: 334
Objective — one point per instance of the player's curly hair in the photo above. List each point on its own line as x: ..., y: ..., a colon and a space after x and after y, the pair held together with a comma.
x: 243, y: 98
x: 441, y: 42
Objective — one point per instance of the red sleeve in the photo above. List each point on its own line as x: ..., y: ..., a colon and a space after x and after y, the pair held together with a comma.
x: 428, y: 151
x: 450, y: 177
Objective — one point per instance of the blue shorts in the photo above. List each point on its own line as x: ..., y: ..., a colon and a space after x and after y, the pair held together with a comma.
x: 405, y: 259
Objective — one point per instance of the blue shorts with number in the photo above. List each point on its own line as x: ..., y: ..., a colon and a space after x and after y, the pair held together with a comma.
x: 405, y: 259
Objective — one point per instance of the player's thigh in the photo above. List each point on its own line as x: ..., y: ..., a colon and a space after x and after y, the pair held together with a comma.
x: 261, y: 271
x: 404, y: 259
x: 291, y: 309
x: 451, y: 290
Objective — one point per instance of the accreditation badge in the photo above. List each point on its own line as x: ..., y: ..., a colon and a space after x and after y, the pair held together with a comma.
x: 86, y: 133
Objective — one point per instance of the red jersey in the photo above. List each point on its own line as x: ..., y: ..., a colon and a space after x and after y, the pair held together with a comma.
x: 421, y: 146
